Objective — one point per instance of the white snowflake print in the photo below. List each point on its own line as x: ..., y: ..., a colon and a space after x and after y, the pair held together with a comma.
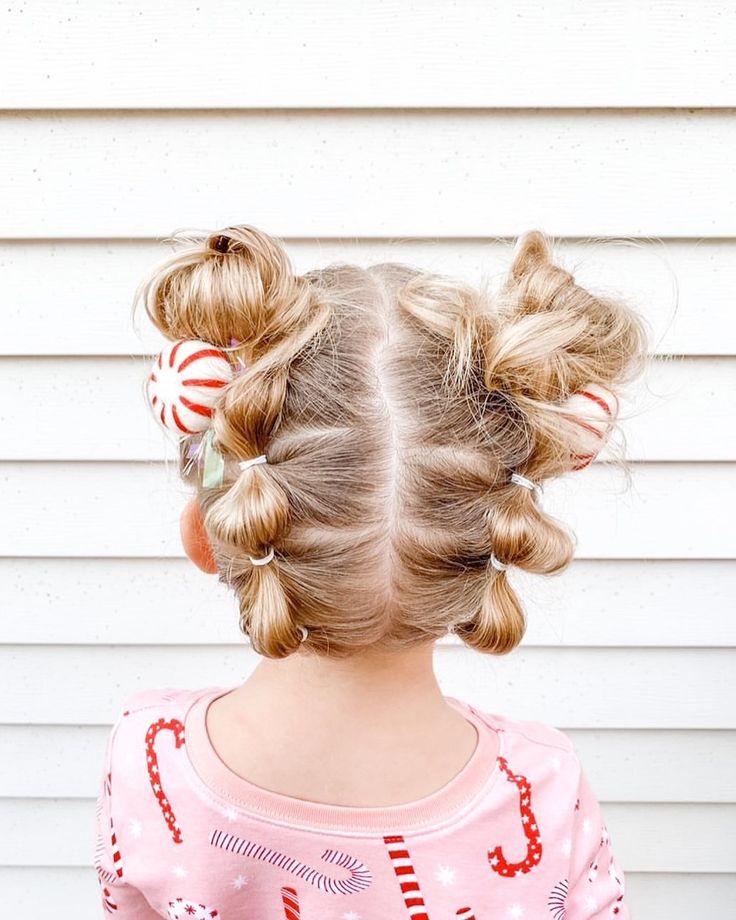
x: 230, y: 813
x: 556, y: 764
x: 446, y: 875
x: 591, y: 903
x: 135, y: 828
x: 351, y: 915
x: 516, y: 910
x: 586, y: 825
x: 567, y: 846
x: 179, y: 871
x: 239, y: 882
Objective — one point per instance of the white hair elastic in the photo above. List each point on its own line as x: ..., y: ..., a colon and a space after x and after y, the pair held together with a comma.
x: 499, y: 566
x: 523, y: 481
x: 244, y: 464
x: 264, y: 560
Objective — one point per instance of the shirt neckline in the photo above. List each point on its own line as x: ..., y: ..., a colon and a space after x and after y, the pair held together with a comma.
x: 445, y: 805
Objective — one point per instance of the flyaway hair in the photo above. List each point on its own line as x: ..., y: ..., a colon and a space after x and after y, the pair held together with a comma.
x: 393, y: 405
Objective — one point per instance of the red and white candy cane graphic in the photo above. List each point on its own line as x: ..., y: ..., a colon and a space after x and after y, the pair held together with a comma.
x: 290, y: 900
x: 184, y: 383
x: 496, y: 858
x: 401, y: 861
x: 465, y: 913
x: 100, y: 848
x: 360, y: 876
x: 615, y: 909
x: 154, y: 776
x: 108, y: 904
x: 557, y: 902
x: 600, y: 407
x: 190, y: 910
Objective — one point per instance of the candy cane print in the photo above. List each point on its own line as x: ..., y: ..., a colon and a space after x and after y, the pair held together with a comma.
x: 615, y: 909
x: 360, y: 876
x: 189, y: 910
x: 496, y: 858
x: 290, y: 900
x: 465, y: 913
x: 103, y: 873
x: 154, y: 776
x: 107, y: 901
x: 105, y: 876
x: 558, y: 900
x: 401, y: 861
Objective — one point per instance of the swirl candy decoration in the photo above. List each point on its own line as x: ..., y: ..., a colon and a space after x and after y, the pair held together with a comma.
x: 184, y: 383
x: 598, y: 408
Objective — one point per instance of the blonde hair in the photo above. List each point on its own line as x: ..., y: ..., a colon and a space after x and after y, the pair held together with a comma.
x: 393, y: 404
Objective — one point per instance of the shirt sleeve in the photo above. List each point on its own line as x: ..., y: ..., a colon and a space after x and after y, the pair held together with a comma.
x: 119, y: 899
x: 596, y: 883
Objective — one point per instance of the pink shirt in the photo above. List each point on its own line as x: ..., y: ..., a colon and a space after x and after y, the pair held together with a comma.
x: 180, y: 835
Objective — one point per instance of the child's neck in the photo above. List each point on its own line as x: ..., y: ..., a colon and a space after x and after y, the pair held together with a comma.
x: 350, y: 720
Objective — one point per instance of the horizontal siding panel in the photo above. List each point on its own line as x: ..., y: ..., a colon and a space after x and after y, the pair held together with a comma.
x: 346, y: 54
x: 571, y: 687
x: 65, y: 761
x: 645, y: 837
x: 49, y: 404
x: 80, y: 300
x: 473, y: 173
x: 127, y: 509
x: 594, y: 602
x: 650, y: 895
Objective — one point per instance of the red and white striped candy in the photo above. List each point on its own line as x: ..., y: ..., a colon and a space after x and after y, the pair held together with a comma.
x: 599, y: 408
x: 184, y: 383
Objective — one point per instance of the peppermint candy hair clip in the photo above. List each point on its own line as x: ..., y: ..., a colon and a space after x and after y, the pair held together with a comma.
x: 594, y: 410
x: 184, y: 383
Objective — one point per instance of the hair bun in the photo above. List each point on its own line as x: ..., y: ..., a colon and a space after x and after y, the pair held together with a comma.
x: 184, y: 383
x: 593, y: 409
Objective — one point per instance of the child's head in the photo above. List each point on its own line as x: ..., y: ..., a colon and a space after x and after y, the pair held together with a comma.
x: 393, y: 406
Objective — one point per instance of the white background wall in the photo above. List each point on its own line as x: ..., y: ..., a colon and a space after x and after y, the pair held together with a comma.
x: 428, y: 132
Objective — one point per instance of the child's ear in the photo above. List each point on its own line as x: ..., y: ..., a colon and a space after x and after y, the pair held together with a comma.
x: 194, y: 538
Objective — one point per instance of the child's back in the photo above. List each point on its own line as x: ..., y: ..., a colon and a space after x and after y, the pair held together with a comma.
x: 366, y: 470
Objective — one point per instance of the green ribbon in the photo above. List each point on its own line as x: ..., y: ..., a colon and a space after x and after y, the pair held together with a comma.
x: 213, y: 467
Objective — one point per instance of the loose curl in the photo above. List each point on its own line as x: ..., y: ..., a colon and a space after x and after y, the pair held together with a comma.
x: 393, y: 405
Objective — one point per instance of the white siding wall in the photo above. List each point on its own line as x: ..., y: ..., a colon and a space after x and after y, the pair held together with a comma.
x: 343, y: 128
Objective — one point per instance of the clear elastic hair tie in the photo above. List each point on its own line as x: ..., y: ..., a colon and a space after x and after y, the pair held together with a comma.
x: 265, y: 560
x: 499, y: 566
x: 245, y: 464
x: 523, y: 481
